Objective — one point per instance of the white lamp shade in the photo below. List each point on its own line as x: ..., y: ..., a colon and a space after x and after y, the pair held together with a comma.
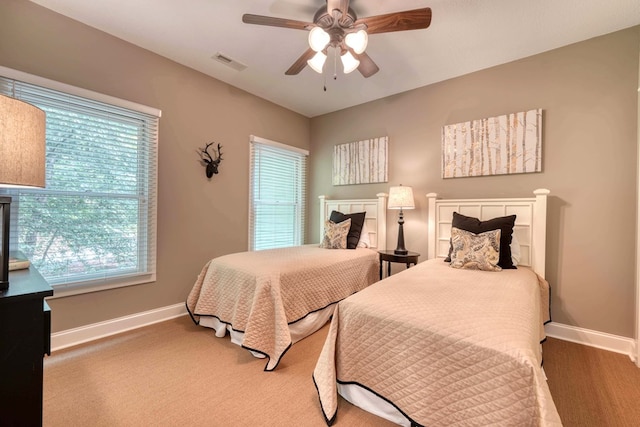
x: 317, y: 62
x: 357, y: 41
x: 401, y: 198
x: 318, y: 39
x: 22, y: 143
x: 349, y: 62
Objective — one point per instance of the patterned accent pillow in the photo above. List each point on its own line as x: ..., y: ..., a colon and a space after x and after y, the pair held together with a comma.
x: 475, y: 251
x: 474, y: 225
x: 335, y: 235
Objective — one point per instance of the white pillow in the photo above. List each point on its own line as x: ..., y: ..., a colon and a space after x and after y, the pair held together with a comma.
x: 364, y: 241
x: 515, y: 249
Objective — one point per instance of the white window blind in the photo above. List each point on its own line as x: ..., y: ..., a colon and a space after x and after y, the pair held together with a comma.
x: 94, y: 225
x: 277, y: 195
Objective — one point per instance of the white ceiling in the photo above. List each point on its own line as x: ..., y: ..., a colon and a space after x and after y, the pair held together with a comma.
x: 464, y: 36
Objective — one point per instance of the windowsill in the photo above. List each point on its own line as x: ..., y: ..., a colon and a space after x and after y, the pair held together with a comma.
x: 66, y: 290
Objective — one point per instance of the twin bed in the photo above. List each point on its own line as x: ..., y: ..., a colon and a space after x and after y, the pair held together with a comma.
x: 440, y: 346
x: 431, y: 345
x: 268, y: 300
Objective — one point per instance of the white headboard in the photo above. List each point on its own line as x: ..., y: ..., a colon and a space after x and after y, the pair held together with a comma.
x: 530, y: 228
x: 376, y: 218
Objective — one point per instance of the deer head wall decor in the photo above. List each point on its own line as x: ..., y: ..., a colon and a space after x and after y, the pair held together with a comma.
x: 208, y: 161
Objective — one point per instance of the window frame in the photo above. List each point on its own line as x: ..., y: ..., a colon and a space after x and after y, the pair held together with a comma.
x: 116, y: 281
x: 303, y: 187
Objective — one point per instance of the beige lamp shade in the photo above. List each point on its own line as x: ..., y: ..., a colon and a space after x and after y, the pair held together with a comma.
x: 22, y: 143
x: 401, y: 198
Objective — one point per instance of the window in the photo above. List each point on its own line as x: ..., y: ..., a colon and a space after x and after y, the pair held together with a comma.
x: 277, y: 195
x: 93, y: 226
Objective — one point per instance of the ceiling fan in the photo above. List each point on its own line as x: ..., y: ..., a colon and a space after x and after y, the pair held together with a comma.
x: 338, y: 26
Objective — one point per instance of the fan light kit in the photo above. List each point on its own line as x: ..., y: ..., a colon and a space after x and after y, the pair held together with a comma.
x: 317, y: 62
x: 357, y: 41
x: 337, y: 26
x: 319, y: 39
x: 349, y: 62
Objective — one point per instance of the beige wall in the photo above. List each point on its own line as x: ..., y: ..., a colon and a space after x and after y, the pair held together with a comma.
x: 197, y: 219
x: 588, y: 93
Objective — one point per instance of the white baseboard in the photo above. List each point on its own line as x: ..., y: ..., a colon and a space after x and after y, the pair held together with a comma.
x: 71, y: 337
x: 592, y: 338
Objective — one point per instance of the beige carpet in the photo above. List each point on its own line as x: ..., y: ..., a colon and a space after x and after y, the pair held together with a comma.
x: 592, y: 387
x: 175, y: 373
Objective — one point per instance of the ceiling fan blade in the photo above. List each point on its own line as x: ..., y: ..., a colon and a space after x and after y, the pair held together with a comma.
x: 248, y: 18
x: 341, y: 5
x: 300, y: 63
x: 367, y: 67
x: 399, y: 21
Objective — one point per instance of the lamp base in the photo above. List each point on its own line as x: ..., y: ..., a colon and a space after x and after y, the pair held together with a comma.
x: 400, y: 249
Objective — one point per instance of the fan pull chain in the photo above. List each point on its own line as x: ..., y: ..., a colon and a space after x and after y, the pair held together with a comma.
x: 335, y: 64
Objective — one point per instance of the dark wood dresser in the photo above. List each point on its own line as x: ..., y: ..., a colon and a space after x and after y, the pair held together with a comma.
x: 25, y: 337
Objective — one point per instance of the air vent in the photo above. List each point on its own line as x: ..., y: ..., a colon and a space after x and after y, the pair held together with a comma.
x: 229, y: 62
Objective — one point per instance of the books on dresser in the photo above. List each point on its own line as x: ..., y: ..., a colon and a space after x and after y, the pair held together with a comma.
x: 17, y: 261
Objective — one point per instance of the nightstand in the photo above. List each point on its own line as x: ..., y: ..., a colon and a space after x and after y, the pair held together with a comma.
x: 390, y: 256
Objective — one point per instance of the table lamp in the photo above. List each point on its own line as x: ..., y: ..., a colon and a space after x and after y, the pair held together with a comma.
x: 22, y: 162
x: 400, y: 198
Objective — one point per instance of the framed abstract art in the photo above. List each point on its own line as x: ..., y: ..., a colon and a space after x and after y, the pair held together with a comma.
x: 361, y: 162
x: 507, y: 144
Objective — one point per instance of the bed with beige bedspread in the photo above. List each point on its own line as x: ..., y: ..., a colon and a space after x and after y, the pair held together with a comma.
x: 262, y: 293
x: 443, y: 347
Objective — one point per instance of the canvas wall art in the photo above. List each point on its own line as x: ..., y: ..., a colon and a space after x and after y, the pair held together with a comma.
x: 507, y: 144
x: 361, y: 162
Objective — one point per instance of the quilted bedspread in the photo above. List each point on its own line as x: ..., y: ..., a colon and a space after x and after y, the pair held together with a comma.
x: 260, y: 293
x: 446, y: 347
